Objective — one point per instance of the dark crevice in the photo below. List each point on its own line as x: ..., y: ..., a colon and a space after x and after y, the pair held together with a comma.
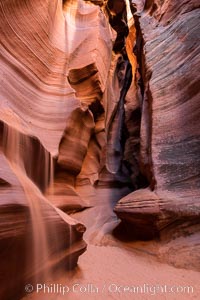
x: 146, y: 176
x: 97, y: 109
x: 138, y: 51
x: 116, y: 10
x: 128, y: 232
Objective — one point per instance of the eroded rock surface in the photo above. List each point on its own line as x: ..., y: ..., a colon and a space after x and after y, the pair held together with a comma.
x: 170, y: 132
x: 58, y: 121
x: 36, y: 238
x: 99, y: 104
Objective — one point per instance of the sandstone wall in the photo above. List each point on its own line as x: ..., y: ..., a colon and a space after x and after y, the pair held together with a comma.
x: 170, y: 131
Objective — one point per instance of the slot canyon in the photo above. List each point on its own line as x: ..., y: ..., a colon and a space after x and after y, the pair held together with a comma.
x: 99, y: 149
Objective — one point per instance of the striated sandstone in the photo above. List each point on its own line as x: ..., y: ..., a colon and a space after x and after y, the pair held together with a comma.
x: 95, y: 104
x: 170, y: 132
x: 56, y: 117
x: 29, y: 222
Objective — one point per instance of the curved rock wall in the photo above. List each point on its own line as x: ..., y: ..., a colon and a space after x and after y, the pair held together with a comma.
x: 170, y: 33
x: 95, y: 118
x: 57, y: 66
x: 170, y: 131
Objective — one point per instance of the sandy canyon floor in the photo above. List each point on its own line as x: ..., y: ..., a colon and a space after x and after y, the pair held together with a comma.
x: 110, y: 269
